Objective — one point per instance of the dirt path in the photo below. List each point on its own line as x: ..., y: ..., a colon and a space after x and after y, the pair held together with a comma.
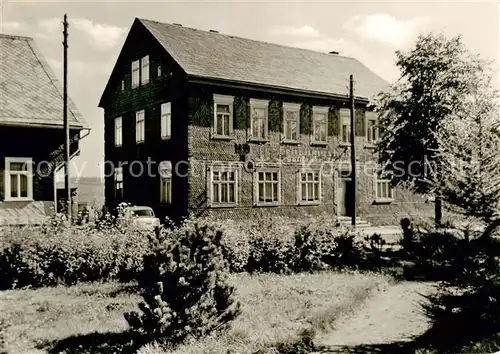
x: 391, y: 315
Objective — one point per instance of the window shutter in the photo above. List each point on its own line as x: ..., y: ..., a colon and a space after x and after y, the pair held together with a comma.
x: 255, y: 188
x: 359, y: 122
x: 299, y: 192
x: 208, y: 172
x: 333, y: 122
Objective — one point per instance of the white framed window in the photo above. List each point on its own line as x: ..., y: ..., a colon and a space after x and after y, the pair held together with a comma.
x: 135, y: 73
x: 118, y: 183
x: 139, y: 126
x: 165, y: 170
x: 267, y: 186
x: 123, y: 85
x: 223, y: 186
x: 18, y: 178
x: 259, y: 119
x: 345, y: 126
x: 309, y: 187
x: 383, y: 188
x: 223, y: 116
x: 166, y: 120
x: 291, y: 122
x: 371, y: 127
x: 118, y: 131
x: 320, y: 124
x: 159, y: 71
x: 145, y: 70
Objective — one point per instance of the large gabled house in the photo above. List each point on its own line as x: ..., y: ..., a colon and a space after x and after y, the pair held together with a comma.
x: 204, y: 123
x: 31, y: 132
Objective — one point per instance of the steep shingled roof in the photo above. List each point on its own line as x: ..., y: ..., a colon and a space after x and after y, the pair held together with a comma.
x: 30, y: 94
x: 220, y: 56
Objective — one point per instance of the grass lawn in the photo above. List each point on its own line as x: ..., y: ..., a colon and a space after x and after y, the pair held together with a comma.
x: 88, y: 318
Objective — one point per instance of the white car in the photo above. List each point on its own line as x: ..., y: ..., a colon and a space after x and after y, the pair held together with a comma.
x: 142, y: 217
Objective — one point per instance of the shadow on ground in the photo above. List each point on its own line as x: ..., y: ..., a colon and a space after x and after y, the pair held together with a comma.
x: 105, y: 343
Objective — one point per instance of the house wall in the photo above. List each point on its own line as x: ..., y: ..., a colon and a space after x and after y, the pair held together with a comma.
x: 204, y: 151
x: 38, y: 144
x: 144, y: 188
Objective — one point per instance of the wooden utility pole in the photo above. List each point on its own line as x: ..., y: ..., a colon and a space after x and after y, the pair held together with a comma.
x: 353, y: 151
x: 66, y: 122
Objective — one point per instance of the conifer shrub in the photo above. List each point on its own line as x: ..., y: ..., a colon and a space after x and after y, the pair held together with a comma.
x: 185, y: 288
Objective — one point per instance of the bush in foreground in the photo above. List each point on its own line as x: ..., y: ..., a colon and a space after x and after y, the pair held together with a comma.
x: 185, y: 289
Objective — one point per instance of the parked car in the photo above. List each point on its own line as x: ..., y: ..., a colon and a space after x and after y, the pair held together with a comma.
x: 142, y: 217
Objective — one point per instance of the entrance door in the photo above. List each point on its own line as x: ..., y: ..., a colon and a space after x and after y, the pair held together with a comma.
x: 344, y: 198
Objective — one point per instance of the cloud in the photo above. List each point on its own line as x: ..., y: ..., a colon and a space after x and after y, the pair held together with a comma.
x: 82, y: 69
x: 12, y: 26
x: 304, y: 31
x: 386, y: 28
x: 51, y: 25
x: 101, y: 35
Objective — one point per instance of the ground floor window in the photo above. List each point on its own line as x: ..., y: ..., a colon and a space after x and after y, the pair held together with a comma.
x: 119, y: 183
x: 165, y: 182
x: 267, y: 186
x: 223, y: 186
x: 383, y: 188
x: 309, y: 187
x: 18, y: 178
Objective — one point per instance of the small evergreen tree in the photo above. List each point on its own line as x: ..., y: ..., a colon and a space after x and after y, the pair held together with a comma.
x: 185, y: 286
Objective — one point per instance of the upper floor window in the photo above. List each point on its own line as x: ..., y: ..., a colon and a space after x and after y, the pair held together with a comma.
x: 223, y: 116
x: 383, y: 188
x: 320, y: 118
x: 259, y: 119
x: 145, y: 69
x: 309, y: 187
x: 223, y: 186
x: 159, y: 71
x: 371, y: 127
x: 267, y: 186
x: 291, y: 121
x: 345, y: 126
x: 118, y: 183
x: 139, y: 126
x: 18, y: 178
x: 166, y: 120
x: 135, y: 74
x: 118, y: 131
x: 165, y: 170
x: 123, y: 85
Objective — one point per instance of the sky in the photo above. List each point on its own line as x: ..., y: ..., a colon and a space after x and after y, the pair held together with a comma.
x: 370, y: 31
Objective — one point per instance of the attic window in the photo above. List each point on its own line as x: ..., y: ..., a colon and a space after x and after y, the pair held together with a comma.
x: 159, y: 70
x: 135, y: 74
x: 123, y: 85
x: 145, y: 70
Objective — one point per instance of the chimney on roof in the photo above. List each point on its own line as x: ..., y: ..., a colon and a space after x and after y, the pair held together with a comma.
x: 334, y: 52
x: 214, y: 31
x: 177, y: 24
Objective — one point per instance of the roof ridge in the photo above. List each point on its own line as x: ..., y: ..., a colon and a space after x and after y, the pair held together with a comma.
x: 248, y: 39
x: 15, y: 36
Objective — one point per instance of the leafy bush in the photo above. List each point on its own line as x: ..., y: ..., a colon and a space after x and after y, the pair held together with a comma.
x: 58, y: 253
x: 184, y: 285
x: 3, y: 327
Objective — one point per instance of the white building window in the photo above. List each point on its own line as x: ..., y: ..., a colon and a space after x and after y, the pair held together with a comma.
x: 145, y: 70
x: 159, y: 71
x: 119, y: 183
x: 309, y: 187
x: 18, y: 178
x: 118, y: 131
x: 345, y: 126
x: 371, y: 127
x: 135, y: 74
x: 223, y: 186
x: 259, y: 119
x: 139, y: 126
x: 166, y: 120
x: 291, y: 122
x: 267, y: 186
x: 319, y: 128
x: 383, y: 188
x: 223, y: 116
x: 123, y: 85
x: 165, y: 182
